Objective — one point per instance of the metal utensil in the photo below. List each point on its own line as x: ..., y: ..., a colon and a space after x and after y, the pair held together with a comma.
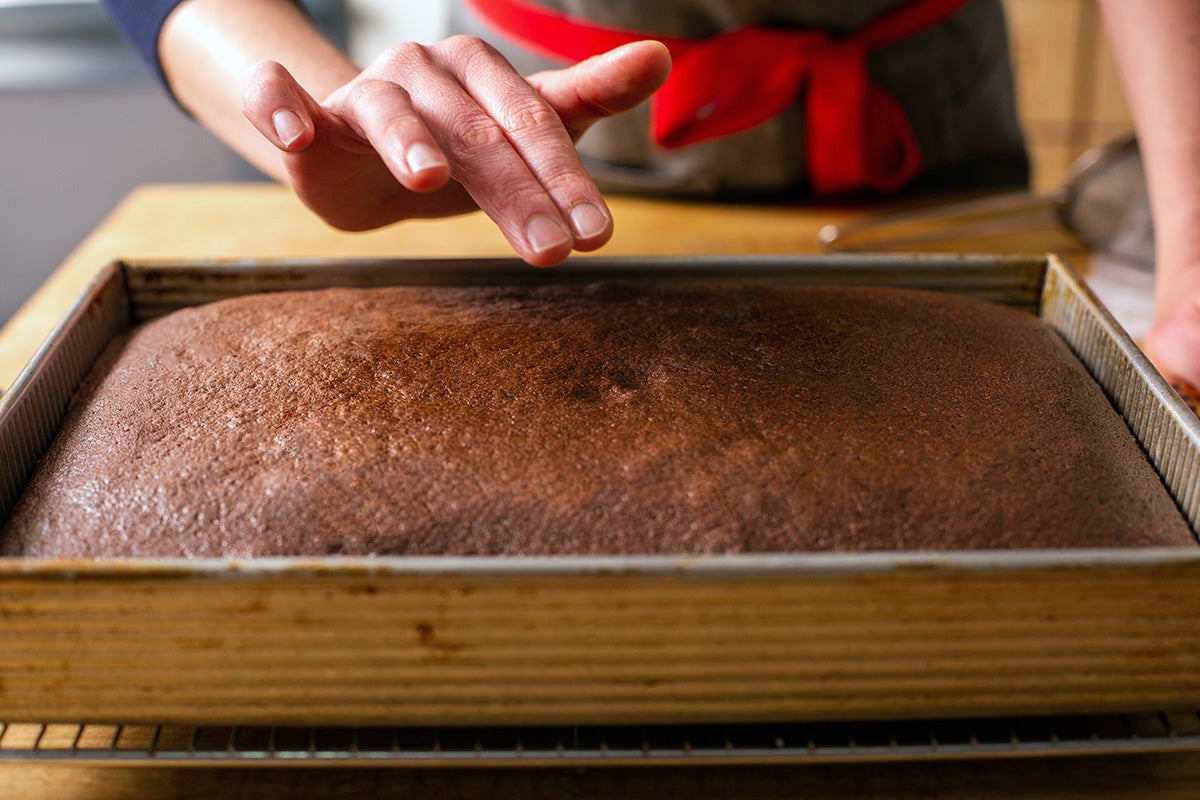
x: 1103, y: 202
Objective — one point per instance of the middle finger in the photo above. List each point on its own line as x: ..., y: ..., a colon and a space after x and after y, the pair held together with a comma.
x: 509, y: 149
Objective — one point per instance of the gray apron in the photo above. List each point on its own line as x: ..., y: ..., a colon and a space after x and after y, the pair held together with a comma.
x: 953, y: 81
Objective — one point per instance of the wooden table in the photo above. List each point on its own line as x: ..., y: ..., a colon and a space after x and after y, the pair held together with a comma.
x: 263, y: 221
x: 256, y: 220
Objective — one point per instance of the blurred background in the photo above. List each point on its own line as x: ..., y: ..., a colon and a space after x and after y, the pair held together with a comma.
x: 82, y: 121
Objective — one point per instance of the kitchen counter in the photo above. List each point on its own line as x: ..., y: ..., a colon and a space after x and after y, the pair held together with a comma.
x: 258, y: 221
x: 262, y: 221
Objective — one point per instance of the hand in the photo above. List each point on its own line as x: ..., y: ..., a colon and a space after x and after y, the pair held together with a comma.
x: 1173, y: 343
x: 428, y: 131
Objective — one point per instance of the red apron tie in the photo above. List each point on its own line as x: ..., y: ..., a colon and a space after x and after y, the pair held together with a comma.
x: 858, y: 135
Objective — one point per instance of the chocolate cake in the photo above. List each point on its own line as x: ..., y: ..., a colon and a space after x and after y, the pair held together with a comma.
x: 604, y: 419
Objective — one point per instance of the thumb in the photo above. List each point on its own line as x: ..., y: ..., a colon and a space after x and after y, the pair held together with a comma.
x: 279, y: 108
x: 604, y: 85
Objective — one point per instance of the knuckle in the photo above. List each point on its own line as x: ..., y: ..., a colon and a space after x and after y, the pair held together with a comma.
x: 364, y: 89
x: 409, y: 54
x: 368, y: 90
x: 517, y: 196
x: 478, y: 132
x: 561, y: 180
x: 393, y: 129
x: 530, y: 116
x: 466, y: 46
x: 469, y: 55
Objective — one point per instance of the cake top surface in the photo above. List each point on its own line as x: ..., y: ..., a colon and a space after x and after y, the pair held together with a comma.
x: 602, y: 419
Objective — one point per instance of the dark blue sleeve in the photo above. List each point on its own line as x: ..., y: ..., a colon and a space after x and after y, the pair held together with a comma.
x: 140, y: 21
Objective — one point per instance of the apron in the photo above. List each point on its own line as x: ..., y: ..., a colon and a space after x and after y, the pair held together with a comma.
x: 920, y: 95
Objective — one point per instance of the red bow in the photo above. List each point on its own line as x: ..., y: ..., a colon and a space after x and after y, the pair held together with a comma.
x: 858, y: 135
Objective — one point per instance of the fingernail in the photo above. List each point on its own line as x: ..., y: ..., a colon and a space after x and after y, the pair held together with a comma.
x: 421, y: 157
x: 544, y: 233
x: 288, y: 126
x: 588, y: 221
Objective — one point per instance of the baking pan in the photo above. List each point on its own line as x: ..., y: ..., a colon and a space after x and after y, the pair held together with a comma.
x: 617, y: 640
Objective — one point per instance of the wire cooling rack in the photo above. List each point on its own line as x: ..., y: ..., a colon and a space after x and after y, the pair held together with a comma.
x: 538, y: 746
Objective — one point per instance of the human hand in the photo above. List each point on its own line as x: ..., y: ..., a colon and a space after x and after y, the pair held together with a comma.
x: 1174, y: 340
x: 428, y: 131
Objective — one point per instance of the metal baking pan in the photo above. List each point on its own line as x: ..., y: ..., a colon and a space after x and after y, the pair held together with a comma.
x: 616, y: 640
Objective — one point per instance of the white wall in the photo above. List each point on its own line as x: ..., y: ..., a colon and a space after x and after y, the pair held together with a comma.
x: 81, y: 123
x: 74, y: 140
x: 377, y: 24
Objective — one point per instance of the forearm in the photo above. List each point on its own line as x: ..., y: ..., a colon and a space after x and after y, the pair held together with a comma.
x: 1157, y: 45
x: 208, y: 47
x: 422, y: 131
